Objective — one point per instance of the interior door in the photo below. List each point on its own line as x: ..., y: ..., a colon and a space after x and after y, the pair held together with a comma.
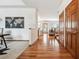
x: 45, y: 27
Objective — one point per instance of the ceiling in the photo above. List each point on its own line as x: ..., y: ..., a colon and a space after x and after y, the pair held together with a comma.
x: 47, y: 9
x: 11, y: 3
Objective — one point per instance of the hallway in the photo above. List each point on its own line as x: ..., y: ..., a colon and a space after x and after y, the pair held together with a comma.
x: 45, y: 49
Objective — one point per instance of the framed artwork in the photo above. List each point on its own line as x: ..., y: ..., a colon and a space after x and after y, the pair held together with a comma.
x: 14, y: 22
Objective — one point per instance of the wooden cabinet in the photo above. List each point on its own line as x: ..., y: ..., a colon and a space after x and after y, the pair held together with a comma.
x: 61, y: 30
x: 72, y: 28
x: 78, y: 31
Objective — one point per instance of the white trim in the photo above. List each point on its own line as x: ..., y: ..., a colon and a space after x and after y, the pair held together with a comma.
x: 64, y: 29
x: 64, y: 4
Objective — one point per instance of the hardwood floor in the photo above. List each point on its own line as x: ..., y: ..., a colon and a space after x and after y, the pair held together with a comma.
x: 45, y: 49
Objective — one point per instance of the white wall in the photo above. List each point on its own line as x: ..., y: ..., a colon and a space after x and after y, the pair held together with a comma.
x: 30, y: 21
x: 34, y: 35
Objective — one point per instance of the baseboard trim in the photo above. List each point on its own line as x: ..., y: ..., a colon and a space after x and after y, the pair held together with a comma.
x: 33, y: 43
x: 17, y: 40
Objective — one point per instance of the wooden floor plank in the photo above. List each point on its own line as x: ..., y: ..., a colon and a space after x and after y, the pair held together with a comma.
x: 45, y: 49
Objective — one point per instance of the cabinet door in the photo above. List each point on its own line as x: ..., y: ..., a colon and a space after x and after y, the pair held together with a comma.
x: 78, y: 32
x: 71, y: 27
x: 68, y: 29
x: 61, y: 32
x: 74, y: 33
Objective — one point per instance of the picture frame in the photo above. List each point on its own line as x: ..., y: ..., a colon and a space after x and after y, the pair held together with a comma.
x: 14, y: 22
